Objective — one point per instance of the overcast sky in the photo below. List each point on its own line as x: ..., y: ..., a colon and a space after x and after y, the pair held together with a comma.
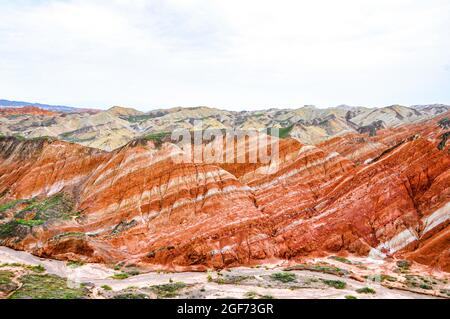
x: 233, y: 54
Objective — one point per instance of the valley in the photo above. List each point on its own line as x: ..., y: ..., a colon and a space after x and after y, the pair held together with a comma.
x: 272, y: 281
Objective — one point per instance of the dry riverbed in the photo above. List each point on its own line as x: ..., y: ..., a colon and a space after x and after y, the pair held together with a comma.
x: 24, y: 276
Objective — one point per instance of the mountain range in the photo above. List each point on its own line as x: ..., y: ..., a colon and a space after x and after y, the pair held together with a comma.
x: 115, y: 127
x: 104, y: 187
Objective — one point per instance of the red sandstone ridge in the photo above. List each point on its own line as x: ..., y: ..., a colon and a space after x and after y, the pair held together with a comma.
x: 386, y: 195
x: 29, y: 110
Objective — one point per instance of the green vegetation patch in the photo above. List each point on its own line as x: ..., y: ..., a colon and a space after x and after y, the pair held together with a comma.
x: 284, y: 277
x: 19, y: 137
x: 138, y: 118
x: 5, y: 277
x: 341, y: 259
x: 58, y: 206
x: 338, y: 284
x: 6, y: 283
x: 9, y: 229
x: 444, y: 139
x: 169, y: 290
x: 157, y: 138
x: 75, y: 263
x: 133, y: 272
x: 9, y: 205
x: 128, y: 272
x: 120, y: 276
x: 47, y: 287
x: 403, y: 264
x: 444, y: 123
x: 385, y: 277
x: 426, y: 286
x: 350, y: 297
x: 31, y: 222
x: 420, y: 282
x: 381, y: 278
x: 366, y: 290
x: 229, y: 279
x: 37, y: 269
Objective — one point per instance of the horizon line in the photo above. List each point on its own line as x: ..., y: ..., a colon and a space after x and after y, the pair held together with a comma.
x: 263, y: 108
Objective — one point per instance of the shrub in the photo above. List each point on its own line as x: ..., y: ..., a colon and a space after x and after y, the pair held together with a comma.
x: 5, y: 277
x: 157, y: 138
x: 366, y: 290
x: 350, y: 297
x: 284, y: 277
x: 230, y: 279
x: 38, y: 268
x: 388, y: 278
x: 133, y: 272
x: 30, y: 223
x: 8, y: 229
x: 8, y: 205
x: 403, y: 264
x: 425, y: 286
x: 251, y: 295
x: 6, y: 283
x: 338, y: 284
x: 75, y: 263
x: 58, y: 206
x: 120, y: 276
x: 46, y: 287
x: 168, y: 290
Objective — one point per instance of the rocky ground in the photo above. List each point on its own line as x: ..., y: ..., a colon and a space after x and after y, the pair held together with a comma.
x: 24, y: 276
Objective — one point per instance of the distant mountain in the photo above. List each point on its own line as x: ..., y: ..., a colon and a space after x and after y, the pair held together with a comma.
x: 432, y: 108
x: 55, y: 108
x: 114, y: 128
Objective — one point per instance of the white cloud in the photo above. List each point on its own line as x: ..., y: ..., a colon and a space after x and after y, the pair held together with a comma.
x: 231, y: 54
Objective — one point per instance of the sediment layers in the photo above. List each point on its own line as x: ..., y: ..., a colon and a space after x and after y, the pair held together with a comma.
x: 384, y: 195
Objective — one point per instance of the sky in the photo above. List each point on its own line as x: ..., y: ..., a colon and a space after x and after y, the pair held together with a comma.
x: 233, y: 54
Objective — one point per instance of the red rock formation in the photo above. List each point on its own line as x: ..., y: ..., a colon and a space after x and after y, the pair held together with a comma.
x: 386, y: 195
x: 361, y: 147
x: 29, y: 110
x: 137, y: 198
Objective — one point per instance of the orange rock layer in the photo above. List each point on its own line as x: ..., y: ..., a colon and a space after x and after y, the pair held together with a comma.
x: 29, y: 110
x: 387, y: 195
